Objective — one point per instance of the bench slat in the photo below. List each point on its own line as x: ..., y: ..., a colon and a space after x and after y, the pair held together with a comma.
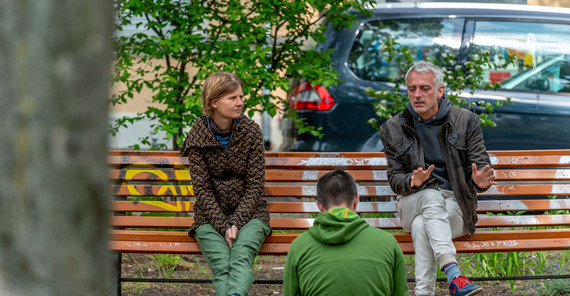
x: 183, y: 175
x: 407, y: 248
x: 384, y: 223
x: 363, y: 207
x: 310, y: 190
x: 330, y: 160
x: 182, y: 236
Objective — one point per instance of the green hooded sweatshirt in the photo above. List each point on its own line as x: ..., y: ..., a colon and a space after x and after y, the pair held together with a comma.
x: 343, y: 255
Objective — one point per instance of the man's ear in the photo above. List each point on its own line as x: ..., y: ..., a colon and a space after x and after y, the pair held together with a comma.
x: 320, y: 206
x: 440, y: 91
x: 355, y: 202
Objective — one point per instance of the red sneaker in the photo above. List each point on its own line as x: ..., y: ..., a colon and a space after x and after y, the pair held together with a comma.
x: 462, y: 286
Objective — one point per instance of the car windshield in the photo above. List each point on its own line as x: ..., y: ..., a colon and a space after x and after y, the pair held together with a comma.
x: 541, y: 52
x: 552, y: 75
x: 425, y: 38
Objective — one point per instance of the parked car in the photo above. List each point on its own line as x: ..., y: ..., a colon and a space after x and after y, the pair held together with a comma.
x: 539, y: 84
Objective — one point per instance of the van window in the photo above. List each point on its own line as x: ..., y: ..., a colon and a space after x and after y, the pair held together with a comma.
x: 424, y: 37
x: 541, y: 50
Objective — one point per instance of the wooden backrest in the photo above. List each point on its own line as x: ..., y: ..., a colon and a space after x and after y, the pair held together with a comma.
x: 146, y: 182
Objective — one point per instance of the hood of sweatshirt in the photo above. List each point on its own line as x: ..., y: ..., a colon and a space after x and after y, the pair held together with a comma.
x: 337, y: 226
x: 443, y: 109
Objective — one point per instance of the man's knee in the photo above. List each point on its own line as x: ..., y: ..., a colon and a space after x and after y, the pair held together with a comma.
x: 432, y: 198
x: 418, y: 226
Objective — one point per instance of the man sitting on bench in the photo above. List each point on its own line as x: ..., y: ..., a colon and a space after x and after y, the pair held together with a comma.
x: 341, y: 254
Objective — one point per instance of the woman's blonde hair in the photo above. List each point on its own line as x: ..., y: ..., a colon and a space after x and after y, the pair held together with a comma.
x: 216, y: 86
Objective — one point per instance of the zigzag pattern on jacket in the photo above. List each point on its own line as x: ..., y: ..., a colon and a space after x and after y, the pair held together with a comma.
x: 228, y: 182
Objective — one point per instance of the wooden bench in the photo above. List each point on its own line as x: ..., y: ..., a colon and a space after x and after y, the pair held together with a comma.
x: 159, y: 182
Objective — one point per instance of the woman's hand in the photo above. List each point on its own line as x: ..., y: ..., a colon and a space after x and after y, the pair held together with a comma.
x: 231, y: 235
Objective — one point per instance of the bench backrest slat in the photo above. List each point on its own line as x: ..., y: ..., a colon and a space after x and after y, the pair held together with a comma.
x: 345, y: 160
x: 310, y: 190
x: 384, y: 223
x: 182, y: 175
x: 363, y: 207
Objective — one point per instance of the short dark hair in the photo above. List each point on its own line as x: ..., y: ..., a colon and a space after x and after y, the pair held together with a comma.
x: 336, y: 187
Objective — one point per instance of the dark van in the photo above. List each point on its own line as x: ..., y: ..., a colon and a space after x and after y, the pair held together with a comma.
x: 539, y: 84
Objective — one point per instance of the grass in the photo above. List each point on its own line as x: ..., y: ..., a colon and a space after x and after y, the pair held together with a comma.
x: 167, y: 263
x: 557, y: 287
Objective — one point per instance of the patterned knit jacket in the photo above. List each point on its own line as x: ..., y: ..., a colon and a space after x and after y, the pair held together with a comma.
x: 228, y: 182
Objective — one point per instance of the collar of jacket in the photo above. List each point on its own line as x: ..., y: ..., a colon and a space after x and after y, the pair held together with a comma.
x: 201, y: 135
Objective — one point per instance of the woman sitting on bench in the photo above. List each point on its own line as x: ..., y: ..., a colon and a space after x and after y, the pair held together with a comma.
x: 226, y: 158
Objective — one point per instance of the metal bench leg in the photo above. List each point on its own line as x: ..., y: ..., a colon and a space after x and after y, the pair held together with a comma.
x: 116, y: 276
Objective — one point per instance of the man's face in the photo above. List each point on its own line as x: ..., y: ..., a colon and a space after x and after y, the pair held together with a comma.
x: 423, y: 94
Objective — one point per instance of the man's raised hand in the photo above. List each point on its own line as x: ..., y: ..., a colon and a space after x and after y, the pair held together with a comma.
x: 483, y: 178
x: 420, y: 176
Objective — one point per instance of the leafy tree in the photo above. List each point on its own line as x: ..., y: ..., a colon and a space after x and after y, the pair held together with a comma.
x: 262, y: 41
x: 461, y: 82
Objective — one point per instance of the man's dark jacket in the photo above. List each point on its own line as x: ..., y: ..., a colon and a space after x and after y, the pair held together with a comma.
x: 462, y: 143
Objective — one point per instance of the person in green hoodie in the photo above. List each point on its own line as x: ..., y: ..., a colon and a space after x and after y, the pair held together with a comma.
x: 341, y: 254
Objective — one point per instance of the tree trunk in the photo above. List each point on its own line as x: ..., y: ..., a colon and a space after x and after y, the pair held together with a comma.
x: 54, y: 87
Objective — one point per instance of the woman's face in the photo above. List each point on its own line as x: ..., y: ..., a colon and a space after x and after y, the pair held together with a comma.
x: 229, y: 105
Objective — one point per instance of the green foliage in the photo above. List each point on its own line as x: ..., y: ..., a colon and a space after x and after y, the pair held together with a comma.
x: 179, y: 43
x: 167, y: 263
x: 256, y: 266
x: 201, y: 268
x: 555, y: 288
x: 461, y: 82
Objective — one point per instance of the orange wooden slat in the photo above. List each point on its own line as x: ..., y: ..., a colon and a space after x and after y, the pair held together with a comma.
x: 154, y: 247
x: 356, y: 160
x: 363, y: 206
x: 530, y: 158
x: 523, y: 205
x: 182, y: 175
x: 545, y: 233
x: 274, y: 207
x: 306, y: 175
x: 517, y: 245
x: 182, y: 236
x: 505, y: 175
x: 153, y: 206
x: 364, y: 191
x: 330, y: 160
x: 385, y: 223
x: 149, y: 175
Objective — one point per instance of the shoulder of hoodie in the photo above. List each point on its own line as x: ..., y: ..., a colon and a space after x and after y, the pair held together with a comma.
x: 372, y: 232
x: 381, y: 234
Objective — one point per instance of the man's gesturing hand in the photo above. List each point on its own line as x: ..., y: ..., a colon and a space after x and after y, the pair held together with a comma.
x: 483, y: 178
x: 420, y: 176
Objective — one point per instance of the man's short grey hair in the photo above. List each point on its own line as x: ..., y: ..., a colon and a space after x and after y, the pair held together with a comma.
x: 423, y: 67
